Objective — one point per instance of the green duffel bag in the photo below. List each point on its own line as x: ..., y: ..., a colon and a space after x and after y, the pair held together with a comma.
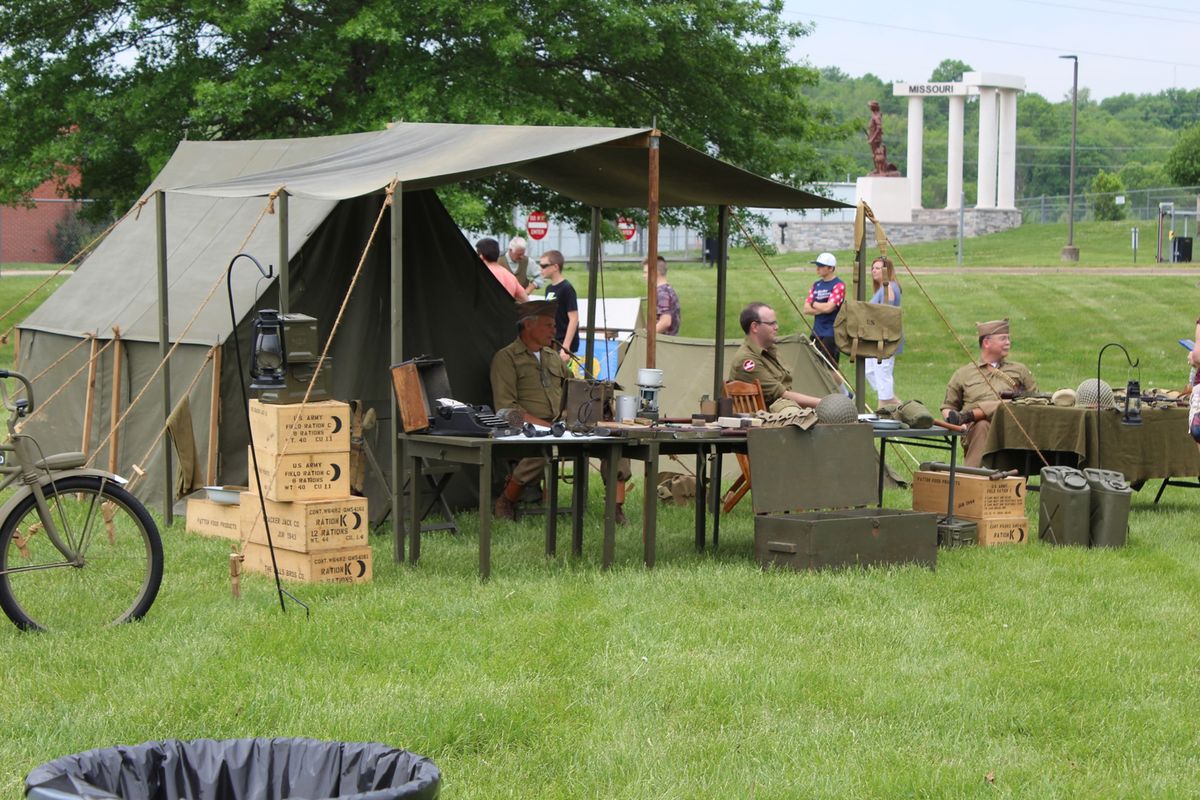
x: 872, y: 330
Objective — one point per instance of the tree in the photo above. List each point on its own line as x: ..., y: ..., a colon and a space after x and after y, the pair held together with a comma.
x: 1183, y: 162
x: 949, y: 70
x: 113, y: 85
x: 1104, y: 190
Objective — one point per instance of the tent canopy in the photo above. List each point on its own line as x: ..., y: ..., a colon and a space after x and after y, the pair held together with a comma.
x: 600, y: 167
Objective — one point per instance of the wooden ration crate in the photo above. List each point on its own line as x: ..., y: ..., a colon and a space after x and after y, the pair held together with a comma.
x: 795, y: 472
x: 975, y: 496
x: 347, y: 565
x: 321, y: 427
x: 1002, y: 530
x: 213, y: 519
x: 306, y: 526
x: 301, y: 476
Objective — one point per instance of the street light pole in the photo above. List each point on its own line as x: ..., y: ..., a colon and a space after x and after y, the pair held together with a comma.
x: 1071, y: 252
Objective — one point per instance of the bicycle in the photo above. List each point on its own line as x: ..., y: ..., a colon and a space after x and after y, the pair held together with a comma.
x: 77, y: 550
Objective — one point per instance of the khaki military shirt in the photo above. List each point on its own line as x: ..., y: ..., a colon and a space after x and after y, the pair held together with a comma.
x: 980, y: 383
x: 520, y: 380
x: 752, y: 363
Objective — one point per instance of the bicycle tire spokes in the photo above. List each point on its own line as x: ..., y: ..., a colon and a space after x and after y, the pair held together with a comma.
x: 112, y: 576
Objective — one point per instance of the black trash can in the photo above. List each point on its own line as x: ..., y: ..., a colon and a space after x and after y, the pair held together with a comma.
x: 1181, y: 249
x: 237, y: 769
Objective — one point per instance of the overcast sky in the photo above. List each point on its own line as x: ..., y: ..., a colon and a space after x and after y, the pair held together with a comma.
x: 1141, y: 47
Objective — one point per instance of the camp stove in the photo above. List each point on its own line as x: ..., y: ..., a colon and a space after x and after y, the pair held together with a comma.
x: 649, y: 383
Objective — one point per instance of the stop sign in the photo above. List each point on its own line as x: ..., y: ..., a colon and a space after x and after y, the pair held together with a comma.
x: 537, y: 225
x: 627, y: 227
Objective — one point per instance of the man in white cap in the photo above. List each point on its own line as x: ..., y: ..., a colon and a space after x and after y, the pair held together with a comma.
x: 824, y: 301
x: 976, y: 390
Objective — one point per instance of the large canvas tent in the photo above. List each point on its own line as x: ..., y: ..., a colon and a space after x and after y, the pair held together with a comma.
x: 422, y: 289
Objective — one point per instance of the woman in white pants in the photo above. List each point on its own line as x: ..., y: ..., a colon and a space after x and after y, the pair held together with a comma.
x: 880, y: 370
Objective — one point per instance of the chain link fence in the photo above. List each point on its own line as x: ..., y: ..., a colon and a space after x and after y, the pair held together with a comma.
x: 1133, y: 204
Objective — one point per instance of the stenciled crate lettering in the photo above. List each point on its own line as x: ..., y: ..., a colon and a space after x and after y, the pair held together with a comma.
x: 307, y: 525
x: 348, y: 565
x: 321, y: 427
x: 1003, y: 530
x: 304, y: 476
x: 212, y: 519
x: 975, y: 497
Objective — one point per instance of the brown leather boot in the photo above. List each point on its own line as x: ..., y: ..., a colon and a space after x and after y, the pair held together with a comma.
x: 619, y: 516
x: 505, y: 506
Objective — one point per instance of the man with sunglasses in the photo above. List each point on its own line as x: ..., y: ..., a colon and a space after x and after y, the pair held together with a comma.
x: 560, y: 290
x: 758, y: 360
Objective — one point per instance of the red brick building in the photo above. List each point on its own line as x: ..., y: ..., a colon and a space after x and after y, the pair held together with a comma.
x: 27, y: 234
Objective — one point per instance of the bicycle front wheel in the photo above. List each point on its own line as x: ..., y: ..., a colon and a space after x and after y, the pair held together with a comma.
x: 111, y: 573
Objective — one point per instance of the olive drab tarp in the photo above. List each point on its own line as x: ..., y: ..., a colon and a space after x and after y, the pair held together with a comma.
x: 215, y: 196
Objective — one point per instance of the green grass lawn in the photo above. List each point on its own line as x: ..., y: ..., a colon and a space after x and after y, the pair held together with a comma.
x: 1026, y: 671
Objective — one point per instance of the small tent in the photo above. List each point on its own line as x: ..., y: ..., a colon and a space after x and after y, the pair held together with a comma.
x: 95, y: 344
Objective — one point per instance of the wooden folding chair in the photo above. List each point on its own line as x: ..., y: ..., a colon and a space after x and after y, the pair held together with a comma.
x: 747, y: 398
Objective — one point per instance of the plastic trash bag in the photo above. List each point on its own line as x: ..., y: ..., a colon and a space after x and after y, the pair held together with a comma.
x: 237, y: 769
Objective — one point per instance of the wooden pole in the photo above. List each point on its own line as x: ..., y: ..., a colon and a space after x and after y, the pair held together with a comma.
x: 397, y: 305
x: 722, y: 286
x: 652, y: 250
x: 285, y: 275
x: 594, y: 249
x: 214, y: 417
x: 115, y: 411
x: 90, y: 399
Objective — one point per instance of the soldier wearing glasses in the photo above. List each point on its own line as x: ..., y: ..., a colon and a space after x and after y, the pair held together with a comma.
x: 758, y: 360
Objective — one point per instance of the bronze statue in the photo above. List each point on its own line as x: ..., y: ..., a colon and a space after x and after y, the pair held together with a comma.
x: 883, y: 167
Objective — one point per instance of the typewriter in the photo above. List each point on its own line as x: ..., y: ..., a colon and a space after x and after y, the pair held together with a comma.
x: 452, y: 418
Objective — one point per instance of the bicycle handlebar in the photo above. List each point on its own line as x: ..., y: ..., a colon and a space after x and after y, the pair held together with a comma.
x: 7, y: 373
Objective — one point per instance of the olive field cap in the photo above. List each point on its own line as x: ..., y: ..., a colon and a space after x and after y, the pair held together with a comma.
x: 536, y: 308
x: 826, y: 260
x: 991, y: 328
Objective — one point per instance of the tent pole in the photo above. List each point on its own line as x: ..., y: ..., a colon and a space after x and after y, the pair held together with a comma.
x: 594, y: 245
x: 214, y: 409
x: 722, y: 281
x: 285, y: 277
x: 652, y: 252
x: 115, y: 411
x: 164, y: 334
x: 90, y: 400
x: 398, y: 465
x: 860, y: 294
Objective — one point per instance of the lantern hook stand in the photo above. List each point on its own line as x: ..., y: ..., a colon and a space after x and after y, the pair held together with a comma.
x: 1132, y: 414
x: 267, y: 273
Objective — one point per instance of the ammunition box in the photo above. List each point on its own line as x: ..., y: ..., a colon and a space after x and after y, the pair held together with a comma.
x: 852, y: 538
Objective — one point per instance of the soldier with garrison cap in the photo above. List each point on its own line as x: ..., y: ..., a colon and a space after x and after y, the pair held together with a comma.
x: 529, y: 376
x: 758, y: 360
x: 976, y: 390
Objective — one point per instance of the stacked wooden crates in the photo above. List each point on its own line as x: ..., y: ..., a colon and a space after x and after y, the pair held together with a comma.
x: 996, y: 506
x: 319, y: 530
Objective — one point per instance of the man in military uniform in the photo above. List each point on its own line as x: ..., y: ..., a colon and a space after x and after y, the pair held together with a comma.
x: 528, y: 376
x: 758, y: 360
x: 976, y: 390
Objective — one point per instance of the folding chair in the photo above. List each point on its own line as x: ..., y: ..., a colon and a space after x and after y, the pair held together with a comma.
x: 747, y: 398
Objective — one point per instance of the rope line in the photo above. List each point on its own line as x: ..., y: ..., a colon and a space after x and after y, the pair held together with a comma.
x: 64, y: 384
x: 82, y: 251
x: 267, y: 208
x: 387, y: 203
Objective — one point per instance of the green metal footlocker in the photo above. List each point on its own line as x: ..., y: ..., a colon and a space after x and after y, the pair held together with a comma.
x: 831, y: 467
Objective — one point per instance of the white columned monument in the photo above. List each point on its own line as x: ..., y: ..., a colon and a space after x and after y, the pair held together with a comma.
x: 996, y: 179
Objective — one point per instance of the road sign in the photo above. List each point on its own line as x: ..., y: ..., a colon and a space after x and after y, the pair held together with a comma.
x: 627, y: 227
x: 537, y: 225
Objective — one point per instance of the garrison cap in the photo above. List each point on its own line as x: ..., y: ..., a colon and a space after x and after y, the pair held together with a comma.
x: 536, y: 308
x: 991, y: 328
